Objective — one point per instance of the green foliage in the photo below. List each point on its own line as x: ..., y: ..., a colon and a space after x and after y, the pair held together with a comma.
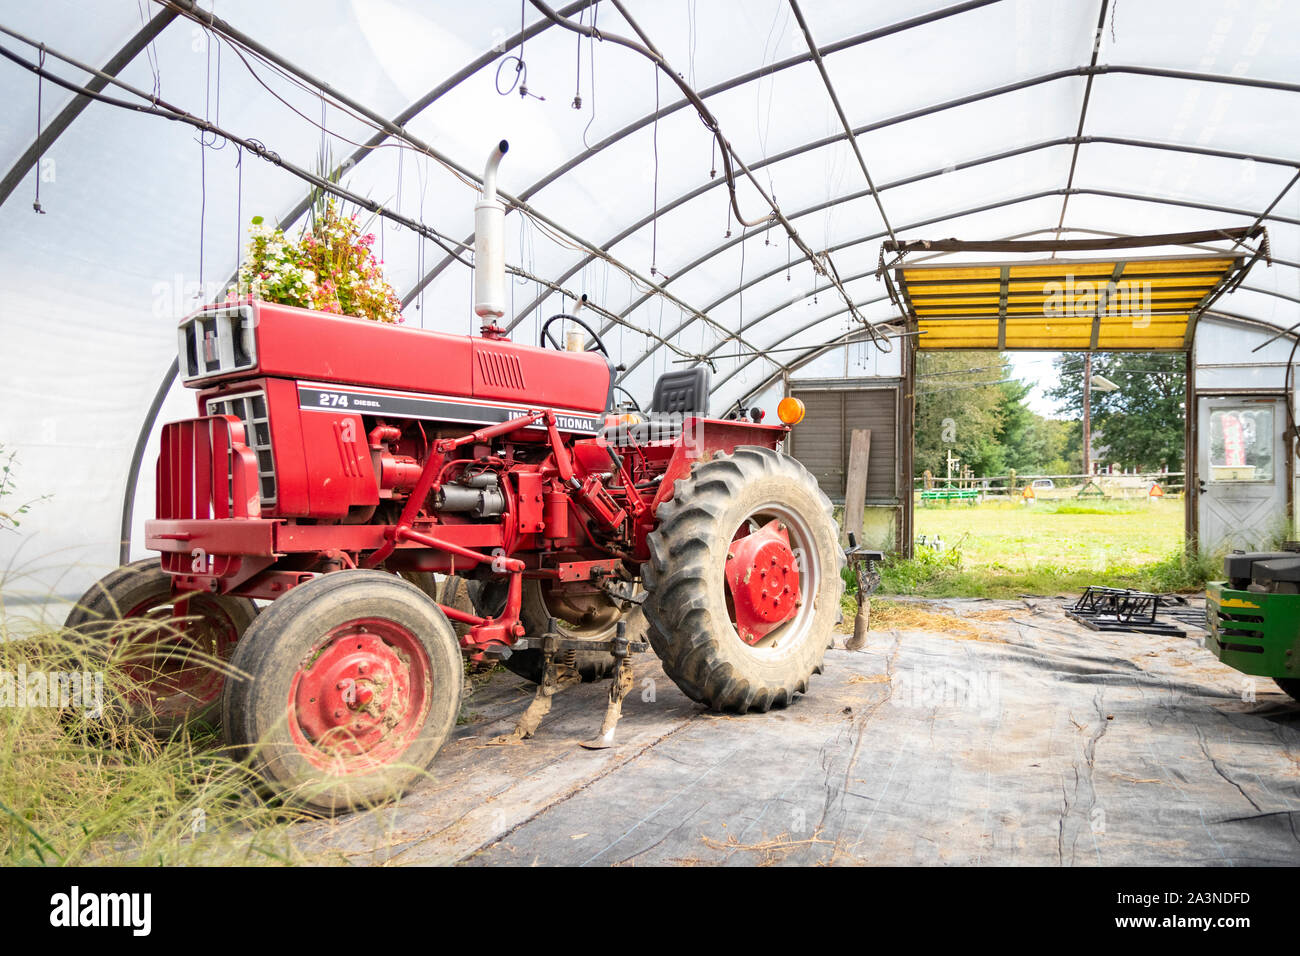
x: 10, y: 514
x: 929, y: 570
x: 966, y: 404
x: 958, y: 407
x: 1140, y: 425
x: 1054, y: 547
x: 1067, y: 507
x: 81, y: 787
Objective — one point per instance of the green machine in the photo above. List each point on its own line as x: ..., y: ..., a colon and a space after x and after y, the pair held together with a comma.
x: 1254, y: 616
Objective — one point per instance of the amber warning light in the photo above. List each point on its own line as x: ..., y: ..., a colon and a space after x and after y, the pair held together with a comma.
x: 790, y: 410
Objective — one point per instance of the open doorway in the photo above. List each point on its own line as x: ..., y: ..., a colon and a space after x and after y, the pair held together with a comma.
x: 1040, y: 472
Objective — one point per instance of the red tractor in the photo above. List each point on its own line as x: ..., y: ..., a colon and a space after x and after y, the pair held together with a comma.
x: 337, y: 465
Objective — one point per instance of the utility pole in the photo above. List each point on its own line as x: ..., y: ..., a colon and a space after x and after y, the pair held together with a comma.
x: 1087, y: 413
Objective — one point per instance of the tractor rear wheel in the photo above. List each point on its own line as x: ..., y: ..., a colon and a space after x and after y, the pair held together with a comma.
x: 353, y: 685
x: 592, y: 617
x: 744, y: 581
x: 171, y: 650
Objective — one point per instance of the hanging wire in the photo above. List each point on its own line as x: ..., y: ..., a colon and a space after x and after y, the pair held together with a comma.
x: 692, y: 35
x: 591, y: 61
x: 40, y: 80
x: 151, y: 53
x: 203, y: 205
x: 654, y: 222
x: 577, y: 88
x: 520, y: 80
x: 239, y: 208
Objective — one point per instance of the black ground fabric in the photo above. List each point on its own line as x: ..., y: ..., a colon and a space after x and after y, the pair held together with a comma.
x: 990, y: 733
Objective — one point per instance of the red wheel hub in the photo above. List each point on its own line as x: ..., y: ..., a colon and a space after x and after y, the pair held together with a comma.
x: 363, y: 697
x: 763, y: 580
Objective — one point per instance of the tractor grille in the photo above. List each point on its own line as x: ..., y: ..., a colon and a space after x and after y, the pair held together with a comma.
x: 217, y: 343
x: 250, y: 408
x: 204, y: 473
x: 503, y: 371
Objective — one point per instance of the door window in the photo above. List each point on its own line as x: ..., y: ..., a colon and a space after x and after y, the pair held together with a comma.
x: 1241, y: 444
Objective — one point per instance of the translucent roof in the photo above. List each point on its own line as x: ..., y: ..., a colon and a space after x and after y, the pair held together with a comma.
x: 984, y: 119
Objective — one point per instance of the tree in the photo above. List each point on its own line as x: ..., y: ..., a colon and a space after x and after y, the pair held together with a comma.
x: 959, y: 407
x: 965, y: 403
x: 1141, y: 424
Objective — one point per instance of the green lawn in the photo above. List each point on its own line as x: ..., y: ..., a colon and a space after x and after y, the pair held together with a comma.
x: 1005, y: 548
x: 1010, y: 536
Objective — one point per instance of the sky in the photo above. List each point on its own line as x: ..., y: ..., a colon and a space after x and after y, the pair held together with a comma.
x: 1036, y: 367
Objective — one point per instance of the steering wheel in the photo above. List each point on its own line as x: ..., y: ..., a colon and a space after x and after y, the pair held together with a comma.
x: 630, y: 397
x: 545, y: 335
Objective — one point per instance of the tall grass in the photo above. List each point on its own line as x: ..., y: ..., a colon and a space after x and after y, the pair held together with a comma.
x: 79, y: 787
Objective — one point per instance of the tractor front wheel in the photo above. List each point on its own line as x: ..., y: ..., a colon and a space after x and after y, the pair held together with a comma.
x: 744, y: 581
x: 171, y: 649
x: 353, y: 684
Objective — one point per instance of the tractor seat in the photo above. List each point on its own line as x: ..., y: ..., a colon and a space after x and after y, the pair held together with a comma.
x: 1279, y: 574
x: 1238, y: 568
x: 684, y: 393
x: 677, y: 396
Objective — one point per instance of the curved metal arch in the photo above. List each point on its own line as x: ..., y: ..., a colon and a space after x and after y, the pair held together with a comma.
x: 1082, y: 71
x: 973, y: 210
x: 957, y: 215
x: 994, y: 157
x: 717, y: 386
x: 722, y: 87
x: 907, y: 180
x: 815, y: 351
x: 56, y: 128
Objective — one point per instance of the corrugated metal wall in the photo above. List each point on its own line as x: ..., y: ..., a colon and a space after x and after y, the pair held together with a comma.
x: 821, y: 441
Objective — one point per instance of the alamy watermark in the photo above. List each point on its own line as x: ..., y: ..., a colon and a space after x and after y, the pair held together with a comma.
x: 1085, y: 299
x: 927, y: 688
x: 65, y: 690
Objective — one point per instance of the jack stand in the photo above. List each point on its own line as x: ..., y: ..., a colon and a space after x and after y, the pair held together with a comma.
x: 555, y: 677
x: 620, y: 684
x: 864, y: 567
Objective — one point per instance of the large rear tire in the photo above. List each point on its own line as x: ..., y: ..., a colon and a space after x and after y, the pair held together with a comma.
x: 691, y: 607
x: 171, y: 653
x: 353, y: 685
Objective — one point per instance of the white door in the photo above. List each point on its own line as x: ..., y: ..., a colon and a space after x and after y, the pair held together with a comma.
x: 1241, y: 473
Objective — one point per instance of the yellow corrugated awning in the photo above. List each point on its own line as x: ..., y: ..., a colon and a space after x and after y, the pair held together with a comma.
x: 1127, y: 304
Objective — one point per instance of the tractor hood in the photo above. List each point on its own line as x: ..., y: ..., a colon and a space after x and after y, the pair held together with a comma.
x: 237, y: 341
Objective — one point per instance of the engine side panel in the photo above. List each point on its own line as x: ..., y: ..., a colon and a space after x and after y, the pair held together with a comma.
x: 314, y: 346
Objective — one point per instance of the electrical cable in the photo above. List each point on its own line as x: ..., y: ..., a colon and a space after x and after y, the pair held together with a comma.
x: 731, y: 160
x: 165, y: 110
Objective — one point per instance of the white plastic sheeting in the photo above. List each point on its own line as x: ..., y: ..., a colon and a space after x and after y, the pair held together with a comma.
x: 142, y: 221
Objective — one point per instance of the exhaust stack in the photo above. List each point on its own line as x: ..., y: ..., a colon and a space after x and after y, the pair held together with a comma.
x: 490, y: 244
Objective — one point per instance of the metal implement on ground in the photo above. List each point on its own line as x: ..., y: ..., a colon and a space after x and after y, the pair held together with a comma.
x: 1123, y: 609
x: 865, y: 564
